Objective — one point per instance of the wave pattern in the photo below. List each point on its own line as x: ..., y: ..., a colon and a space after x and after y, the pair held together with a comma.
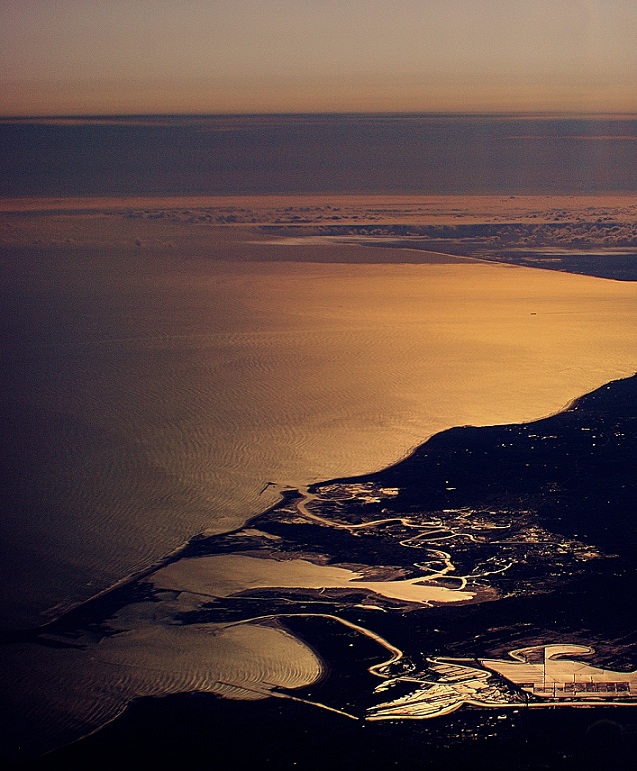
x: 187, y: 390
x: 246, y: 661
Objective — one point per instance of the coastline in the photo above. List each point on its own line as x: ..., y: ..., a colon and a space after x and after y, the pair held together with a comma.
x: 611, y: 406
x: 591, y: 235
x: 203, y: 251
x: 97, y: 606
x: 112, y: 598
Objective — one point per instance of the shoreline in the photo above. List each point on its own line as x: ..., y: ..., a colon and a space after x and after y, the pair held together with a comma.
x: 202, y: 230
x: 91, y: 608
x: 583, y: 235
x: 569, y: 406
x: 471, y: 630
x: 94, y: 607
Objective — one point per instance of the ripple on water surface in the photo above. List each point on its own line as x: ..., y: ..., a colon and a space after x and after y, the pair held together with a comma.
x: 186, y: 391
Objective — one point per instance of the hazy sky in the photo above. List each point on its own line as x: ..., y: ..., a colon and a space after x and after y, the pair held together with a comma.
x: 141, y: 56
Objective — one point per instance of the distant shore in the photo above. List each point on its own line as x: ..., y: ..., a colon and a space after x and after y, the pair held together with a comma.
x: 415, y: 209
x: 588, y: 235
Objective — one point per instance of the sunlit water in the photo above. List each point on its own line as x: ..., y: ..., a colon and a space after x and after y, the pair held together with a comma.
x: 151, y: 399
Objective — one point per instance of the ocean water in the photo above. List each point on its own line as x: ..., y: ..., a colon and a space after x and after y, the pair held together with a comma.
x: 423, y: 154
x: 149, y: 400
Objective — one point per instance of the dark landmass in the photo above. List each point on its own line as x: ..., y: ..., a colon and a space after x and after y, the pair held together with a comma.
x: 601, y: 246
x: 539, y: 519
x: 202, y: 732
x: 567, y: 229
x: 577, y: 469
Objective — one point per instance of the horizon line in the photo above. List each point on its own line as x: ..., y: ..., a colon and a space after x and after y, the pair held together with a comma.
x: 323, y: 113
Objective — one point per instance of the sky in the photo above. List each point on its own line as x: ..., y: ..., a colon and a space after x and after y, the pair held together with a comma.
x: 83, y: 57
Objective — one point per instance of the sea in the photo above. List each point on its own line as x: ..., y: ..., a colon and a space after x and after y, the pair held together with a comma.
x: 423, y: 154
x: 148, y: 399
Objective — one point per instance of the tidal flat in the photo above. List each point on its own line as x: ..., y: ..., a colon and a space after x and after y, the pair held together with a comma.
x: 176, y: 367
